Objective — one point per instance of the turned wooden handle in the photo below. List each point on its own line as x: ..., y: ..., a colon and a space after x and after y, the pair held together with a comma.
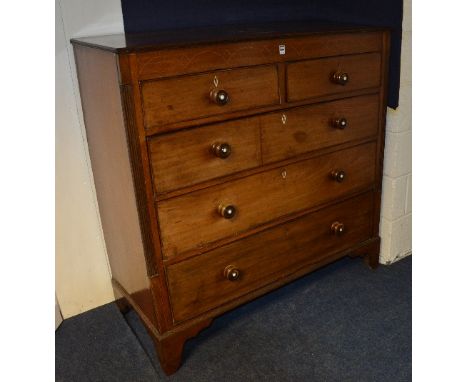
x: 231, y: 273
x: 340, y: 78
x: 337, y: 228
x: 228, y: 211
x: 340, y: 123
x: 221, y: 150
x: 219, y: 97
x: 338, y: 175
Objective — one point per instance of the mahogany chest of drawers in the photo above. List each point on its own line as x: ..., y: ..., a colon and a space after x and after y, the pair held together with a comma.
x: 228, y: 162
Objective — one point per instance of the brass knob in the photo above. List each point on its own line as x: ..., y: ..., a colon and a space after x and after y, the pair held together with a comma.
x: 340, y: 78
x: 219, y: 97
x: 340, y: 123
x: 231, y: 273
x: 221, y: 150
x: 227, y: 212
x: 338, y: 175
x: 337, y: 228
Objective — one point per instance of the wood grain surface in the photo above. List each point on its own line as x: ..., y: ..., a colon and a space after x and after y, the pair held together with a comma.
x: 309, y: 79
x: 188, y: 97
x: 185, y: 158
x: 192, y: 220
x: 198, y: 284
x: 296, y: 131
x: 193, y: 59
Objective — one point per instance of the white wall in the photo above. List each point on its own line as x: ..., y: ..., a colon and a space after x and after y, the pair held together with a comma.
x: 82, y: 271
x: 395, y: 224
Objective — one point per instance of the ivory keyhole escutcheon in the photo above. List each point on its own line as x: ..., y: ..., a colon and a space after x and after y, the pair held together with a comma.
x: 284, y: 119
x: 215, y: 81
x: 284, y: 174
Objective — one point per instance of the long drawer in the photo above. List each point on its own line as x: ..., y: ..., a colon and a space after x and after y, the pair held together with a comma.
x: 314, y: 78
x: 299, y: 130
x: 201, y: 95
x: 196, y: 219
x: 216, y: 277
x: 188, y: 157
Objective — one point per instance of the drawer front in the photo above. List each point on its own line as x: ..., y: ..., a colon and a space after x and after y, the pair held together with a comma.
x: 315, y: 78
x: 194, y: 96
x: 200, y: 284
x: 193, y: 220
x: 299, y: 130
x: 189, y: 157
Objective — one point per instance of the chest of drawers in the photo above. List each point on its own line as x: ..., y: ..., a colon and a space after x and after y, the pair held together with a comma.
x: 230, y: 162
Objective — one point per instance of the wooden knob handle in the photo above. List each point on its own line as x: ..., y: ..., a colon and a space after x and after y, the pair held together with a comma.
x: 231, y: 273
x: 338, y: 175
x: 227, y: 212
x: 219, y: 97
x: 340, y: 78
x: 340, y: 123
x: 221, y: 150
x: 337, y: 228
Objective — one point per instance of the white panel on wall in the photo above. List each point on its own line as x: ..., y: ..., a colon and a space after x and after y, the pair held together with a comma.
x: 82, y: 270
x: 395, y: 224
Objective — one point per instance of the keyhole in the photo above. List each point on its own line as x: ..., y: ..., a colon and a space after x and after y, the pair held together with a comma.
x: 284, y: 119
x: 283, y: 174
x: 215, y: 81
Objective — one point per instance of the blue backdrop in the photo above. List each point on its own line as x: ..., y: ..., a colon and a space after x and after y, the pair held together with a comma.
x: 153, y: 15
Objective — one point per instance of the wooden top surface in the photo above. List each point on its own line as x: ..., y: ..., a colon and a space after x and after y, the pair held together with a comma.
x: 128, y: 43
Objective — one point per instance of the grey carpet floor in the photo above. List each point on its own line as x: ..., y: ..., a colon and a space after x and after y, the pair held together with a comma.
x: 341, y: 323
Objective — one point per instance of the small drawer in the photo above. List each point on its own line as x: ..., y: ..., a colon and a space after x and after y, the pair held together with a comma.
x: 197, y: 96
x: 299, y: 130
x: 188, y: 157
x: 326, y: 76
x: 201, y: 217
x: 217, y: 277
